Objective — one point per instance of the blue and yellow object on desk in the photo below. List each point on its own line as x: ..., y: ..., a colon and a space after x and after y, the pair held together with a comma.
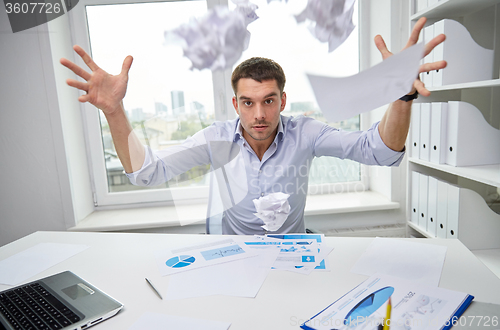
x: 368, y: 306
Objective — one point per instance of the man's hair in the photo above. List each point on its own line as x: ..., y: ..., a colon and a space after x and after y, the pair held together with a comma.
x: 259, y: 69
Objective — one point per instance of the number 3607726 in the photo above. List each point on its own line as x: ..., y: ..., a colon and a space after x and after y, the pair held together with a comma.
x: 33, y: 8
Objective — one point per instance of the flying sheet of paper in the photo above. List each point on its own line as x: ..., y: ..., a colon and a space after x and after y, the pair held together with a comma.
x: 197, y: 256
x: 342, y: 98
x: 414, y: 261
x: 242, y: 278
x: 28, y: 263
x: 156, y: 321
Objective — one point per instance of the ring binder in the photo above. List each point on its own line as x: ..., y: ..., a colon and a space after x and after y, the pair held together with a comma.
x: 439, y: 117
x: 432, y: 205
x: 415, y: 130
x: 468, y: 137
x: 425, y: 131
x: 467, y: 61
x: 442, y: 209
x: 415, y: 178
x: 423, y: 191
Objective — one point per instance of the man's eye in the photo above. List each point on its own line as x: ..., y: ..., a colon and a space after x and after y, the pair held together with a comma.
x: 247, y: 103
x: 268, y: 101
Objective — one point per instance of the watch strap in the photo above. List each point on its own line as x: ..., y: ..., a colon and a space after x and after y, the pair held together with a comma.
x: 410, y: 97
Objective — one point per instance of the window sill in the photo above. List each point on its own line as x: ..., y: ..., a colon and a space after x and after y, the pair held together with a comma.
x: 167, y: 216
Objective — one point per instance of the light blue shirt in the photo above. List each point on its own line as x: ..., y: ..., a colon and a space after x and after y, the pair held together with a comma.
x: 239, y: 177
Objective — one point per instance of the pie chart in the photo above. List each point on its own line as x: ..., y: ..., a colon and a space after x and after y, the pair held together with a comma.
x: 180, y: 261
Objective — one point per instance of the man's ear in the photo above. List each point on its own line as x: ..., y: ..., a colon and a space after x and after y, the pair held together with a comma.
x: 235, y: 105
x: 283, y: 101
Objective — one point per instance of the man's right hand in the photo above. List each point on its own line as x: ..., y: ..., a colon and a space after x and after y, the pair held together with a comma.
x: 103, y: 90
x: 106, y: 92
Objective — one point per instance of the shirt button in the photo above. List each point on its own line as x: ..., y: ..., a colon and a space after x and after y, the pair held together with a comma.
x: 262, y: 194
x: 260, y: 171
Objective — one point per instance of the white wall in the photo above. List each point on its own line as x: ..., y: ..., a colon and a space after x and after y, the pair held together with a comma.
x: 41, y: 134
x: 34, y: 182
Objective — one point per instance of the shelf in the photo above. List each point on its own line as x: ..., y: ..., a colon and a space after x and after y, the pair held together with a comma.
x: 419, y: 230
x: 487, y: 174
x: 453, y: 8
x: 475, y: 84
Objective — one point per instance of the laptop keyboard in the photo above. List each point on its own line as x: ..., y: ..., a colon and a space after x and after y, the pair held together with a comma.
x: 33, y: 307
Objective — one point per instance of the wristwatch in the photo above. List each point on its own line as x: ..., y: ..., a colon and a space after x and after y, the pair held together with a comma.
x: 410, y: 97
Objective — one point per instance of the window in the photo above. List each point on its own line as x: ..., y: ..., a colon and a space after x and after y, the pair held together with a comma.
x: 163, y: 110
x: 166, y: 101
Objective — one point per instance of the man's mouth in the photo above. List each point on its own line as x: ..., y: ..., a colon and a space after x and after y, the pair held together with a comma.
x: 259, y: 127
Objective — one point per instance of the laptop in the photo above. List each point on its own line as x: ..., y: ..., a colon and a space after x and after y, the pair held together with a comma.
x: 60, y: 301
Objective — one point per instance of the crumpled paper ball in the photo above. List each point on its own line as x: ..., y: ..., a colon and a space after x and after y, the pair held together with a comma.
x: 216, y: 40
x: 273, y: 209
x: 333, y: 20
x: 247, y: 9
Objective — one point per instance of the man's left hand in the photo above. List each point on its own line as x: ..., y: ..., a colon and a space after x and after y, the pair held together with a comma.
x: 418, y: 85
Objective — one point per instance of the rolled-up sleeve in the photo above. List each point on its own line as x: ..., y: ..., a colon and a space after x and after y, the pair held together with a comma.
x: 365, y: 147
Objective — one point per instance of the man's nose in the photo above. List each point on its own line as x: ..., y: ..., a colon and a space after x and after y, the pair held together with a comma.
x: 260, y: 113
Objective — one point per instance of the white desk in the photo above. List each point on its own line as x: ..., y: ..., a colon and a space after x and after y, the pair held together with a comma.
x: 118, y: 264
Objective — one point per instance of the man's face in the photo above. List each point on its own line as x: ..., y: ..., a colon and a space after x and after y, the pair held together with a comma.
x: 259, y: 105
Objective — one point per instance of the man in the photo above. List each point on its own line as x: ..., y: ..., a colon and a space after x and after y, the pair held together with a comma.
x: 259, y: 153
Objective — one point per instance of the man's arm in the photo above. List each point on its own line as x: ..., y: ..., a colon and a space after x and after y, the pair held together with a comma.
x: 106, y: 92
x: 395, y: 123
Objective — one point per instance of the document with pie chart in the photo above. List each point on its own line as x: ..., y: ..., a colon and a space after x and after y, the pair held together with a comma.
x: 192, y: 257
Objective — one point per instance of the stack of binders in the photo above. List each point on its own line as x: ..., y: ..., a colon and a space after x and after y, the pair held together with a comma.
x: 453, y: 133
x: 466, y: 60
x: 444, y: 210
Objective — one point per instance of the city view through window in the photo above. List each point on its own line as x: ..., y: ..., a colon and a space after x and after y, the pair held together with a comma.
x: 167, y: 102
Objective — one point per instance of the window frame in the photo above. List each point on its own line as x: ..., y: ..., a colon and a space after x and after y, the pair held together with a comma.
x: 223, y: 111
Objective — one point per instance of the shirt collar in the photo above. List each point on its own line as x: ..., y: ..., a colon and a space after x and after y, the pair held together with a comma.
x: 238, y: 134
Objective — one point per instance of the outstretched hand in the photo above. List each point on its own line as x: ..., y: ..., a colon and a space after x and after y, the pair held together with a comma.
x: 418, y: 85
x: 103, y: 90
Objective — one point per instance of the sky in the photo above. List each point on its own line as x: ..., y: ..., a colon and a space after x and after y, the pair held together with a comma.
x: 138, y: 30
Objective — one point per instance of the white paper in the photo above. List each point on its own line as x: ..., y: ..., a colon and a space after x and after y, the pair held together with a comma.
x: 297, y: 255
x: 332, y: 20
x: 156, y: 321
x: 273, y: 209
x: 241, y: 278
x: 418, y: 262
x: 24, y: 265
x: 323, y: 253
x: 342, y: 98
x: 197, y: 256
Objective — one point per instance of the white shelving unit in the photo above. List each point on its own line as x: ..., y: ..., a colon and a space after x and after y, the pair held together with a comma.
x: 479, y: 17
x: 487, y: 174
x: 475, y: 84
